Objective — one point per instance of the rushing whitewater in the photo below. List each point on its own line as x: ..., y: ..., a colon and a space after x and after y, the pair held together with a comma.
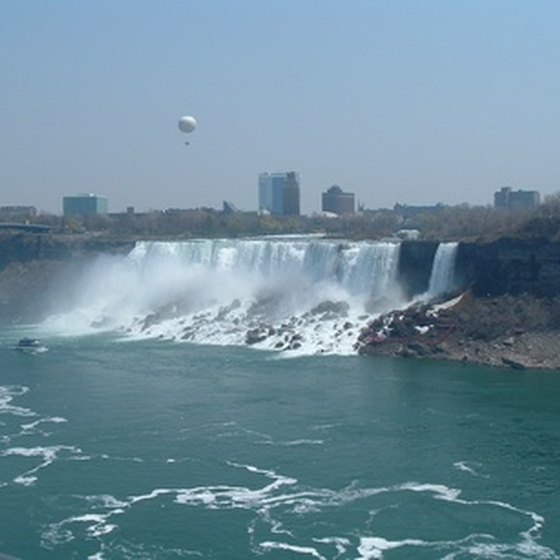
x: 306, y: 296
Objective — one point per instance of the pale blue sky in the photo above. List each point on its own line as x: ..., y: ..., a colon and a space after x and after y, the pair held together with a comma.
x: 418, y: 101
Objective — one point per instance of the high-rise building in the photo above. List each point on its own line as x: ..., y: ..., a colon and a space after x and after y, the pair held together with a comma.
x: 337, y: 201
x: 507, y: 198
x: 84, y: 205
x: 279, y: 193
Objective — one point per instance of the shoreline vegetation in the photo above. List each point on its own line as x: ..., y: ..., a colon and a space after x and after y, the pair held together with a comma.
x: 462, y: 222
x: 517, y: 329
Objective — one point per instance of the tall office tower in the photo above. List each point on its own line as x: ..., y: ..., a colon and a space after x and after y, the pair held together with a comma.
x: 279, y: 193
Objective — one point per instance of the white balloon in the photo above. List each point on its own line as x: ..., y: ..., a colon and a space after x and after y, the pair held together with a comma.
x: 187, y: 124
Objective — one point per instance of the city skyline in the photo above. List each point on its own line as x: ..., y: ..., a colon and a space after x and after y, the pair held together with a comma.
x: 396, y: 102
x: 333, y: 200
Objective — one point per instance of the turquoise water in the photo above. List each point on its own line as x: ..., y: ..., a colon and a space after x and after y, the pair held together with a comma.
x: 114, y: 449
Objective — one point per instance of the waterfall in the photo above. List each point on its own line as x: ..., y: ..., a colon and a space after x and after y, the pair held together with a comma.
x: 442, y: 279
x: 362, y: 269
x: 305, y: 294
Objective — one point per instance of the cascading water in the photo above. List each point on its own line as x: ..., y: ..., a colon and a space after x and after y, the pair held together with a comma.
x: 442, y: 279
x: 302, y: 295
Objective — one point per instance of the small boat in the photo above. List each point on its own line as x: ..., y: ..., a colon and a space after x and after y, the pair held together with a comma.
x: 31, y: 345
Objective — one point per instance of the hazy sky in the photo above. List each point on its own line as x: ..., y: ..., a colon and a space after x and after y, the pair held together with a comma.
x: 414, y: 101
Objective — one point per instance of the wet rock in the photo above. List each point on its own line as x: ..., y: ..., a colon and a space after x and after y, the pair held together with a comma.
x: 188, y: 334
x: 223, y: 312
x: 150, y: 320
x: 264, y: 307
x: 254, y: 336
x: 378, y: 305
x: 334, y: 308
x: 419, y: 349
x: 99, y: 324
x: 514, y: 364
x: 406, y: 352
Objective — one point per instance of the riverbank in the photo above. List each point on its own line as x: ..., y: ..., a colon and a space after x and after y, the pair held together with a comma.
x: 519, y: 332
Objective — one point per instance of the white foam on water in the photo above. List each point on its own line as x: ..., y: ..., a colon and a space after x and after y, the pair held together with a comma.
x: 232, y: 497
x: 280, y: 504
x: 340, y: 544
x: 298, y: 442
x: 305, y: 550
x: 467, y: 467
x: 498, y: 551
x: 33, y: 426
x: 96, y: 526
x: 47, y: 454
x: 7, y: 394
x: 440, y: 491
x: 105, y: 501
x: 119, y: 458
x: 372, y: 548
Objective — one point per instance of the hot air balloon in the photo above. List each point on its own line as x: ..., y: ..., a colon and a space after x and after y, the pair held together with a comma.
x: 187, y: 124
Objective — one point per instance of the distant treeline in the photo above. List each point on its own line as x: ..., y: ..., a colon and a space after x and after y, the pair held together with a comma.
x: 461, y: 223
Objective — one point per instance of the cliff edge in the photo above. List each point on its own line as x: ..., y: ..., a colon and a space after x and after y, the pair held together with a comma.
x: 33, y: 266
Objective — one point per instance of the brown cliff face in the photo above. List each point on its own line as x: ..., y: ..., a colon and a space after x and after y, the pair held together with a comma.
x: 415, y: 266
x: 511, y: 266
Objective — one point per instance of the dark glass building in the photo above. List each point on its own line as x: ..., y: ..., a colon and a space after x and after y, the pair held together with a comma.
x: 84, y: 205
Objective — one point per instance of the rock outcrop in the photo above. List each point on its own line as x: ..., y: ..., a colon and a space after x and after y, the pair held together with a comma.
x: 518, y: 332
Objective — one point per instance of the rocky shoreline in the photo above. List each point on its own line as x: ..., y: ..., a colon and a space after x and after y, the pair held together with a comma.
x: 518, y: 332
